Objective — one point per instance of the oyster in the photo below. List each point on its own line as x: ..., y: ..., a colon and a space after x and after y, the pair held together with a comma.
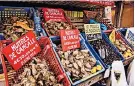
x: 37, y: 74
x: 78, y: 63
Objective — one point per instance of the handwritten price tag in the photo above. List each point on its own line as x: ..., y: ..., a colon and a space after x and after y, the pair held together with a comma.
x: 92, y: 31
x: 21, y: 51
x: 70, y: 39
x: 53, y: 14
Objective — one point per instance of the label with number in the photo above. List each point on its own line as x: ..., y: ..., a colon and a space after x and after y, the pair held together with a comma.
x: 53, y: 14
x: 70, y: 39
x: 21, y: 51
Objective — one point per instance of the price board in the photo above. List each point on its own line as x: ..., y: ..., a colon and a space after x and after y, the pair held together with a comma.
x: 92, y: 31
x: 53, y: 14
x: 70, y: 39
x: 21, y: 51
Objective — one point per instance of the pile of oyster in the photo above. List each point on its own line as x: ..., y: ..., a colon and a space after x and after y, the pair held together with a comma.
x: 124, y: 49
x: 14, y: 27
x: 53, y: 27
x: 36, y: 74
x: 79, y: 63
x: 107, y: 53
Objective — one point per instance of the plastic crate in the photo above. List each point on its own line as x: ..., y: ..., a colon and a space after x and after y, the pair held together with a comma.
x: 41, y: 10
x: 47, y: 53
x: 6, y: 11
x: 119, y: 36
x: 123, y: 34
x: 83, y: 46
x: 105, y: 38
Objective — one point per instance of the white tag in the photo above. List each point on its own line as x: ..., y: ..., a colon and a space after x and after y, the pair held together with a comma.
x: 103, y: 53
x: 107, y: 73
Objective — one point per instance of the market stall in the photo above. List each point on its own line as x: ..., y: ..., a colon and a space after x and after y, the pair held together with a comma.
x: 63, y: 43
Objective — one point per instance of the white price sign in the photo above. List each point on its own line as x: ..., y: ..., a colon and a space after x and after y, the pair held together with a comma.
x: 92, y: 31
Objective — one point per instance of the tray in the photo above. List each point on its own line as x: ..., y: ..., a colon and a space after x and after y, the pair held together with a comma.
x: 123, y: 34
x: 105, y: 38
x: 43, y: 21
x: 84, y: 81
x: 6, y: 11
x: 46, y: 53
x: 119, y: 36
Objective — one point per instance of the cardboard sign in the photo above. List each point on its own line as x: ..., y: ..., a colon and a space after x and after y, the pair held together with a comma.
x: 70, y: 39
x: 53, y: 14
x: 92, y: 31
x: 21, y: 51
x: 112, y: 36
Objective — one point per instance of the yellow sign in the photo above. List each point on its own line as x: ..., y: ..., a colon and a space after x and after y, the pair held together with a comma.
x: 112, y: 36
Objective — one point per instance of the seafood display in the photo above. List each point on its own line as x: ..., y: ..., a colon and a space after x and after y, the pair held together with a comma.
x: 79, y: 63
x: 14, y: 27
x: 124, y: 49
x: 53, y: 57
x: 105, y: 51
x: 36, y: 74
x: 53, y: 27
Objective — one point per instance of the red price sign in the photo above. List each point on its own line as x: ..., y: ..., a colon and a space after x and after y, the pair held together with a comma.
x: 53, y: 14
x: 70, y: 39
x: 21, y: 51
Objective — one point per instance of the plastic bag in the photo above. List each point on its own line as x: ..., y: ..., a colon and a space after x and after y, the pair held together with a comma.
x: 118, y: 77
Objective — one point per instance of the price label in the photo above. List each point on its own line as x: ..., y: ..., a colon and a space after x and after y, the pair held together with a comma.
x: 92, y: 31
x: 21, y: 51
x: 53, y: 14
x: 70, y: 39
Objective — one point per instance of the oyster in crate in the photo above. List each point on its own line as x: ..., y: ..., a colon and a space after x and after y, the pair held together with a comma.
x: 37, y: 74
x: 14, y: 27
x: 79, y: 63
x: 53, y: 27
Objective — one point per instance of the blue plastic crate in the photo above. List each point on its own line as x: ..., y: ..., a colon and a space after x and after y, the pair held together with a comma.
x: 105, y: 38
x: 123, y: 33
x: 6, y: 11
x: 83, y: 46
x: 126, y: 42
